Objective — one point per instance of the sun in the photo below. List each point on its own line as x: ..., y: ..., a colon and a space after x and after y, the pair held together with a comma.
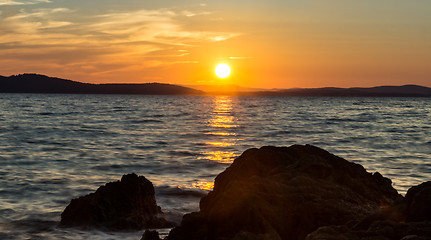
x: 222, y: 70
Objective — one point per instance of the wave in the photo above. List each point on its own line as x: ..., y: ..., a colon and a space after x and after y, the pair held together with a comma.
x: 138, y: 121
x: 179, y: 192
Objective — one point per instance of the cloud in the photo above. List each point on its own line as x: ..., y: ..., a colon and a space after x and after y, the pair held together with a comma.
x: 12, y: 2
x: 24, y: 23
x: 53, y: 26
x: 109, y: 43
x: 161, y: 26
x: 193, y: 14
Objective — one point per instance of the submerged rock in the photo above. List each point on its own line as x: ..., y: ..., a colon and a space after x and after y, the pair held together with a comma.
x: 128, y: 204
x: 285, y: 193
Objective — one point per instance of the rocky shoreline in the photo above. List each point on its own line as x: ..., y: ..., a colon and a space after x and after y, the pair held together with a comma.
x: 297, y: 192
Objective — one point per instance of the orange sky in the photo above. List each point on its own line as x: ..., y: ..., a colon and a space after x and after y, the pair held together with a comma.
x: 268, y: 44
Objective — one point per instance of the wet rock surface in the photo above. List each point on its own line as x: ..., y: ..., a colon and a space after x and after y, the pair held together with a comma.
x: 128, y: 204
x: 287, y: 193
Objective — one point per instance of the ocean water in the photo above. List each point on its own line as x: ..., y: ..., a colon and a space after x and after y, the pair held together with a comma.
x: 57, y: 147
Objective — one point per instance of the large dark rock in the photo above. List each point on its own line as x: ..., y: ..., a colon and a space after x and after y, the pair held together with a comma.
x: 379, y: 230
x: 285, y: 193
x: 128, y: 204
x: 418, y: 203
x: 409, y: 219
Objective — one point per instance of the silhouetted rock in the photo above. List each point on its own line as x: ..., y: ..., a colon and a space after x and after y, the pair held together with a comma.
x: 418, y: 203
x: 122, y: 205
x: 377, y: 230
x: 150, y: 235
x: 285, y: 193
x: 409, y: 219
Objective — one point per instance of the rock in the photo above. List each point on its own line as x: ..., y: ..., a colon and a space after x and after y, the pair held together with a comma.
x: 128, y: 204
x: 415, y: 237
x: 409, y: 219
x: 418, y: 203
x: 285, y: 193
x: 384, y: 230
x: 150, y: 235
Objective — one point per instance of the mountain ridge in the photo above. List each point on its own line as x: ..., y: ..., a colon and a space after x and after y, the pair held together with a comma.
x: 408, y: 90
x: 37, y: 83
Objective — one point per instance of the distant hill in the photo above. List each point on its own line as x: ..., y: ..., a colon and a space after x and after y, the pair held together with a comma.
x: 381, y: 91
x: 35, y: 83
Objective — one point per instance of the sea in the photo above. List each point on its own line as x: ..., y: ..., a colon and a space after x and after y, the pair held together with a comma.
x: 55, y: 147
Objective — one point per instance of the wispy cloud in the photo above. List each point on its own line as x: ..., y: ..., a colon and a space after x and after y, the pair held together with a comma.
x: 161, y: 26
x: 118, y: 41
x: 142, y: 26
x: 12, y: 2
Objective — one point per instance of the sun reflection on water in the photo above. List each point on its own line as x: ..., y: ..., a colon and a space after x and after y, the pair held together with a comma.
x: 221, y: 144
x: 222, y: 121
x: 204, y: 185
x: 220, y: 156
x: 222, y: 133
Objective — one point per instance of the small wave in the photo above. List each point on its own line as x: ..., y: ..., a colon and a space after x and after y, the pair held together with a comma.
x: 146, y: 121
x: 146, y: 147
x: 179, y: 192
x: 6, y: 211
x: 34, y: 225
x: 107, y: 167
x: 276, y: 133
x: 180, y: 114
x: 120, y: 109
x: 61, y: 160
x: 45, y: 113
x: 340, y: 120
x: 182, y: 153
x: 57, y: 181
x: 156, y: 115
x: 121, y: 166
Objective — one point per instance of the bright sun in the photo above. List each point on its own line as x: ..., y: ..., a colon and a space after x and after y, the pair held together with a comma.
x: 222, y: 70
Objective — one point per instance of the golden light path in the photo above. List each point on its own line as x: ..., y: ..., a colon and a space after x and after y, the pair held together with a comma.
x: 203, y: 185
x: 221, y: 124
x: 221, y: 121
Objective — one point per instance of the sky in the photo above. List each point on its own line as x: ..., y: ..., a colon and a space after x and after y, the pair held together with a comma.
x: 267, y: 44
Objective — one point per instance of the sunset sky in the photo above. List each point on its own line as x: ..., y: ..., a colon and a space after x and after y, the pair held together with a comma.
x: 267, y: 44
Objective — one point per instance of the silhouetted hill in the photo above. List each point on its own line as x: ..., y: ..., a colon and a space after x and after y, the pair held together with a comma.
x: 35, y: 83
x: 381, y: 91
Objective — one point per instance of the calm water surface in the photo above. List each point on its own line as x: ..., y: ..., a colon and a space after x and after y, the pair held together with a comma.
x: 57, y: 147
